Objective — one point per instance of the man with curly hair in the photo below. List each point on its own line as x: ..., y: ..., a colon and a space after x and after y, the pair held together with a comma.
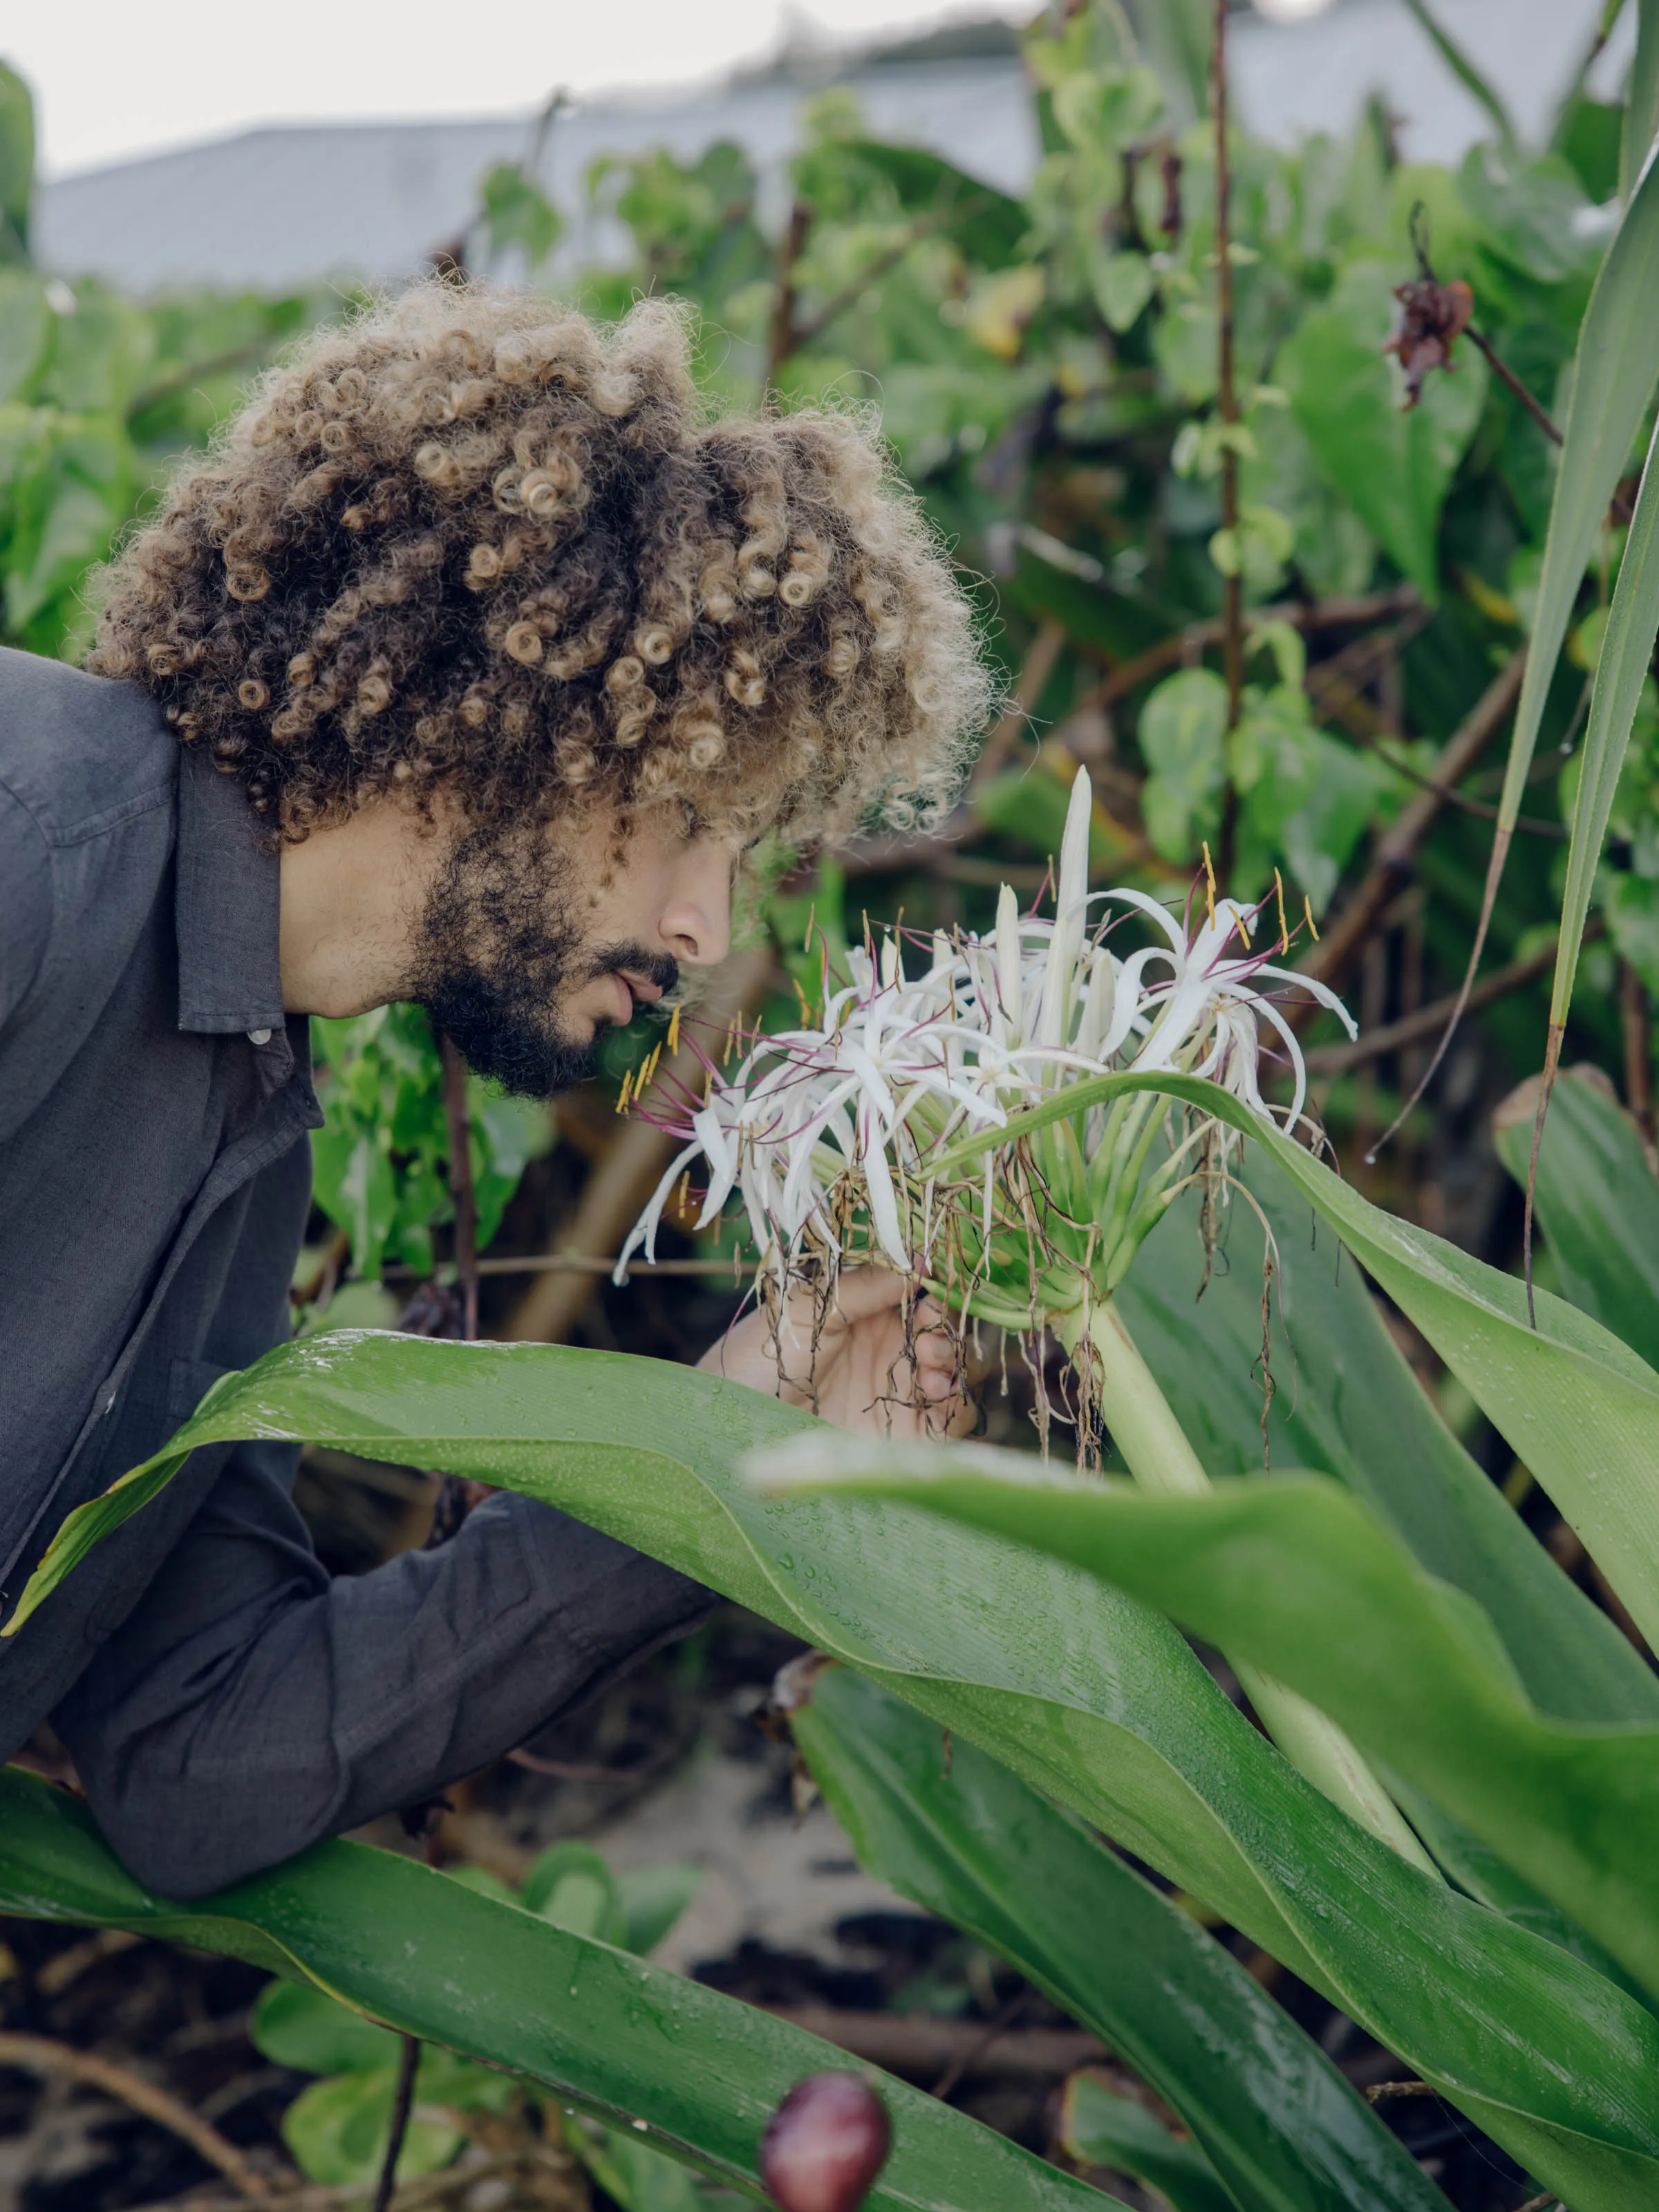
x: 462, y: 671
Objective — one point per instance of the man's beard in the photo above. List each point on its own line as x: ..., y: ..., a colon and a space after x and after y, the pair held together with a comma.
x: 499, y: 947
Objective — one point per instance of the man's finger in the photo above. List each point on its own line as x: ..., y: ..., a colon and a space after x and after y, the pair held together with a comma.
x: 861, y: 1291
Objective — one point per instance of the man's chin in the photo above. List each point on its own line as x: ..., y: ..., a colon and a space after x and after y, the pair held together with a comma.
x: 524, y: 1058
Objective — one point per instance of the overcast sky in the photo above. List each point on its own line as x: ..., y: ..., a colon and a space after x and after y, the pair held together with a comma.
x: 117, y: 77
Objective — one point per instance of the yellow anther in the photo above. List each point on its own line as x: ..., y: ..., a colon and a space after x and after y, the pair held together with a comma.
x: 1279, y: 893
x: 674, y: 1032
x: 805, y: 1011
x: 811, y: 915
x: 680, y: 1194
x: 1307, y: 910
x: 1243, y: 930
x: 623, y: 1094
x: 1209, y: 883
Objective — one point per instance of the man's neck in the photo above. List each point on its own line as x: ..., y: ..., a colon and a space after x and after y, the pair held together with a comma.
x: 351, y: 899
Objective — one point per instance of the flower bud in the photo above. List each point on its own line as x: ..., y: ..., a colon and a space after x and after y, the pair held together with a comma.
x: 825, y: 2144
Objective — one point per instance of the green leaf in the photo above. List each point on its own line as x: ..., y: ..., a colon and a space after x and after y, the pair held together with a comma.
x: 1183, y: 730
x: 296, y: 2024
x: 337, y: 2132
x: 1098, y: 2127
x: 653, y: 1899
x: 1621, y: 670
x: 16, y: 165
x: 1345, y: 1403
x: 1576, y: 1405
x: 1088, y: 1696
x: 1395, y: 466
x: 1597, y: 1201
x: 26, y: 330
x: 519, y: 213
x: 1614, y: 371
x: 979, y: 1847
x: 1298, y: 1577
x: 603, y: 2031
x: 571, y: 1885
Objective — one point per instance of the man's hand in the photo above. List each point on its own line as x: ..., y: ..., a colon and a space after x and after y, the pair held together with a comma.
x: 864, y: 1376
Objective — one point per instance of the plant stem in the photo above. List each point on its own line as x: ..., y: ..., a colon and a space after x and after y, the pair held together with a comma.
x: 1157, y: 1452
x: 1227, y: 407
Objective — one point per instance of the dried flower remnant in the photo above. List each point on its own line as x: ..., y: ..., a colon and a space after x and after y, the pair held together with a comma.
x: 825, y: 2144
x: 1431, y: 320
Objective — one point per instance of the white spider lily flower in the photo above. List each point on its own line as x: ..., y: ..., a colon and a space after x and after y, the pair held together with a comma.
x: 821, y: 1123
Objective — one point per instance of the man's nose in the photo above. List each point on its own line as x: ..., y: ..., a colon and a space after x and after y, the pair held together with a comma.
x: 696, y: 923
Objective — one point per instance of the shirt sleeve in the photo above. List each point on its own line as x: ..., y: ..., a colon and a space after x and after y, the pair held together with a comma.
x: 25, y: 903
x: 251, y: 1705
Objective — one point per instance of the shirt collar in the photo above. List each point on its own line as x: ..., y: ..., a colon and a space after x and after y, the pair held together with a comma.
x: 226, y: 907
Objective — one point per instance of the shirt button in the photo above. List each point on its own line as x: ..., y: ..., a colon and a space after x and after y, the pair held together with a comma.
x: 259, y: 1036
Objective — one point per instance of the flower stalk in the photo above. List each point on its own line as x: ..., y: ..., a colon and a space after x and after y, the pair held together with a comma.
x: 1157, y: 1453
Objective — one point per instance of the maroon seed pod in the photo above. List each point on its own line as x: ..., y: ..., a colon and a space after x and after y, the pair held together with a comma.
x: 825, y: 2144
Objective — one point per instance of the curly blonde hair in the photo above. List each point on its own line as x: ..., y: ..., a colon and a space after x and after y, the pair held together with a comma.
x: 472, y: 543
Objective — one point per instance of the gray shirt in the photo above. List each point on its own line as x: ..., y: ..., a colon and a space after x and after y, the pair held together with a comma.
x: 226, y: 1702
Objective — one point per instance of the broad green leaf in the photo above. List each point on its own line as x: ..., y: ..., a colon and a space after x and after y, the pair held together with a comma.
x: 1091, y: 1697
x: 296, y: 2024
x: 1395, y: 466
x: 1344, y: 1403
x: 1183, y: 725
x: 979, y: 1847
x: 336, y: 2130
x: 606, y: 2033
x: 1597, y: 1201
x: 1614, y: 374
x: 1098, y: 2127
x: 653, y: 1899
x: 1620, y: 674
x: 1300, y: 1579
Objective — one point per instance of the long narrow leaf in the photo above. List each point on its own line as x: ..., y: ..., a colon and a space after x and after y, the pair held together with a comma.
x: 1598, y: 1201
x: 1344, y: 1403
x: 1100, y: 2128
x: 1626, y: 652
x: 1576, y: 1405
x: 979, y: 1847
x: 604, y: 2030
x: 1092, y: 1698
x: 1614, y: 371
x: 1298, y: 1577
x: 1642, y: 104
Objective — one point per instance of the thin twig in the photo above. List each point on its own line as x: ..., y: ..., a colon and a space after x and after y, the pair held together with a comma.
x: 1337, y: 1059
x: 1232, y: 617
x: 967, y: 2059
x: 1506, y: 375
x: 402, y: 2101
x: 1395, y: 859
x: 459, y: 1121
x: 1381, y: 2090
x: 1319, y: 614
x: 783, y: 340
x: 44, y: 2054
x: 1635, y: 1013
x: 802, y: 335
x: 1010, y: 725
